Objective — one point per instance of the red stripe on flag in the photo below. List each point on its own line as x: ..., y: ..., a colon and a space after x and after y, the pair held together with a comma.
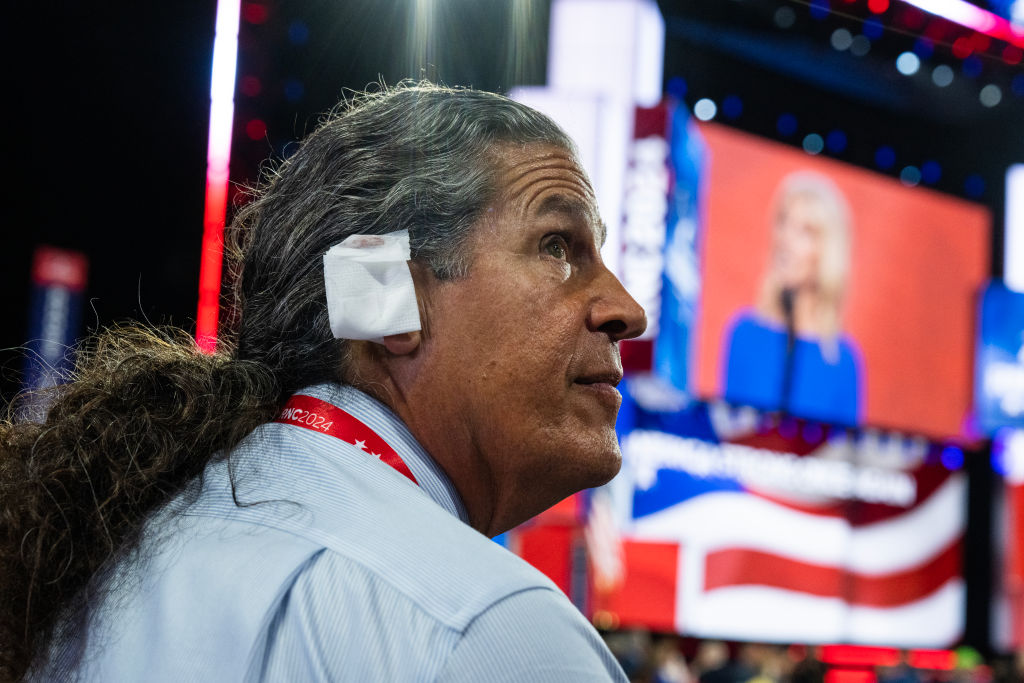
x: 647, y: 594
x: 738, y: 566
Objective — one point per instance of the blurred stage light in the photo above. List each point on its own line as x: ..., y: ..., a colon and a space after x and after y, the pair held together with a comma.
x: 962, y: 47
x: 1017, y: 85
x: 218, y: 157
x: 952, y: 458
x: 942, y: 75
x: 885, y: 157
x: 990, y: 95
x: 873, y: 28
x: 835, y: 141
x: 860, y: 45
x: 298, y: 32
x: 924, y: 48
x: 250, y: 86
x: 971, y: 66
x: 254, y: 12
x: 973, y: 17
x: 841, y: 39
x: 819, y: 9
x: 813, y: 143
x: 294, y: 90
x: 1008, y: 455
x: 732, y: 107
x: 786, y: 125
x: 1012, y: 54
x: 785, y: 17
x: 931, y: 171
x: 910, y: 176
x: 705, y: 109
x: 256, y: 129
x: 908, y: 63
x: 878, y: 6
x: 420, y: 45
x: 974, y: 186
x: 677, y: 87
x: 813, y: 432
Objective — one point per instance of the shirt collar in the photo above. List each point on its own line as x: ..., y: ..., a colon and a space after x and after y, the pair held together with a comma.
x: 378, y: 417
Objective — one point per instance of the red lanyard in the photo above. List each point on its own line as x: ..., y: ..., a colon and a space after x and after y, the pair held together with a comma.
x: 320, y: 416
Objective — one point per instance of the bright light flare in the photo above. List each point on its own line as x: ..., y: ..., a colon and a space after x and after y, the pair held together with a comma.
x: 218, y: 156
x: 973, y: 17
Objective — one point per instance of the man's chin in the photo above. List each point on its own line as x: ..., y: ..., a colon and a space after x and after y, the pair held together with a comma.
x: 605, y: 464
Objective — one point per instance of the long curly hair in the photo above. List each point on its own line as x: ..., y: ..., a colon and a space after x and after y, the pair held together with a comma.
x: 145, y: 411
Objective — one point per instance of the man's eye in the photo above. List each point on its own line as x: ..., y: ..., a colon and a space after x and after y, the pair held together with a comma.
x: 557, y: 247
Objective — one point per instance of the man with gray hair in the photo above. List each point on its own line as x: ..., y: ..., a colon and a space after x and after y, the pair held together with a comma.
x: 426, y: 357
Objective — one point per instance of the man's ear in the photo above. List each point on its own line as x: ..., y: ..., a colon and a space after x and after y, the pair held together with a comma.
x: 401, y: 344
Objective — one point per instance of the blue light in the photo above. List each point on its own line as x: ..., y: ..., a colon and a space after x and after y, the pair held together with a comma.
x: 999, y: 464
x: 732, y: 106
x: 971, y: 66
x: 885, y: 157
x: 813, y: 144
x: 813, y: 433
x: 820, y: 9
x: 293, y: 89
x: 924, y: 48
x: 677, y: 87
x: 835, y: 141
x: 952, y: 458
x: 873, y: 28
x: 298, y: 32
x: 974, y: 186
x: 786, y: 125
x: 930, y: 172
x: 1017, y: 85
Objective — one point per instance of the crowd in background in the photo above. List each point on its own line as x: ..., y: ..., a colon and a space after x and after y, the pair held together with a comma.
x: 654, y: 658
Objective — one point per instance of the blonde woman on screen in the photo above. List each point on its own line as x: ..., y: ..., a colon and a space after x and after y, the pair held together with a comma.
x: 788, y: 353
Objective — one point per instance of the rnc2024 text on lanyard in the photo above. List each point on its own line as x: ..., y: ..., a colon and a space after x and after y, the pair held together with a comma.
x: 320, y: 416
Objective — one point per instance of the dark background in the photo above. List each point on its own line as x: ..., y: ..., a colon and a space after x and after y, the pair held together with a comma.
x: 107, y: 141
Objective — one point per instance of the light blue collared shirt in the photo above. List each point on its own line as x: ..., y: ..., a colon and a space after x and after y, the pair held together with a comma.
x: 332, y: 566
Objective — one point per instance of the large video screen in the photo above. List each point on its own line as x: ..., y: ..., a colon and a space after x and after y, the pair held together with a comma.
x: 792, y: 469
x: 830, y: 292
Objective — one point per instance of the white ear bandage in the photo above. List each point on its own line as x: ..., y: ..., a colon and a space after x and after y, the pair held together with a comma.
x: 370, y: 292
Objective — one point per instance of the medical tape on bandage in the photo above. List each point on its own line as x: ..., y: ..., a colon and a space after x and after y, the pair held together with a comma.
x: 370, y: 292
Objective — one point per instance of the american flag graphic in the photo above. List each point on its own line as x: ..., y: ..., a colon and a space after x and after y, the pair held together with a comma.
x: 786, y: 533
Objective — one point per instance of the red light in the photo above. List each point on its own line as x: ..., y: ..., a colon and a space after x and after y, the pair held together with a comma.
x: 859, y: 655
x: 878, y: 6
x: 942, y: 660
x: 936, y: 31
x: 250, y: 86
x: 912, y: 18
x: 255, y: 13
x: 962, y: 47
x: 849, y: 676
x: 980, y: 42
x: 256, y: 129
x: 1012, y: 54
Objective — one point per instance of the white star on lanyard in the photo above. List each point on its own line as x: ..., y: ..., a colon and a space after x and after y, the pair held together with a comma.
x: 376, y: 455
x: 360, y: 444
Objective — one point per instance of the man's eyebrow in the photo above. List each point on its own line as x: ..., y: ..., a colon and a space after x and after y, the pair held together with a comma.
x: 574, y: 208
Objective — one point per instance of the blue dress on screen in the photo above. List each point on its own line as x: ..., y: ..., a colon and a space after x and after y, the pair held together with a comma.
x: 821, y: 389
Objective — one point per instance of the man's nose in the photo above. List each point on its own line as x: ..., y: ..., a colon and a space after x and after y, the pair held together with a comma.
x: 613, y: 311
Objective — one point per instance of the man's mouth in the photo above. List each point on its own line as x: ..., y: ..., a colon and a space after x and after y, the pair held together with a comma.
x: 602, y: 385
